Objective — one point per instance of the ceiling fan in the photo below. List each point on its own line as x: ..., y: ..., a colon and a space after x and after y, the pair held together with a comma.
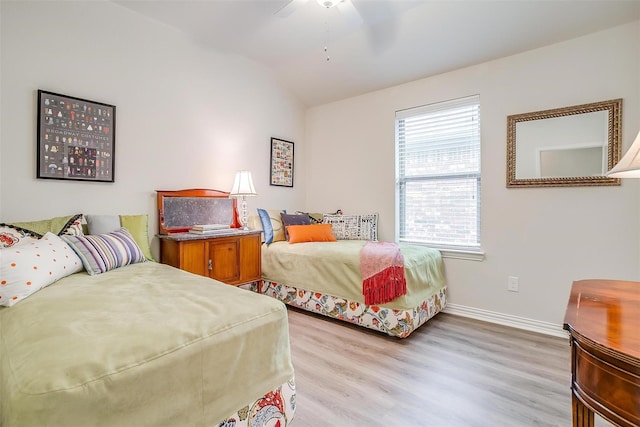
x: 345, y: 7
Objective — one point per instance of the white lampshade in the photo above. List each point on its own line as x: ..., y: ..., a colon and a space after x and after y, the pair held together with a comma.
x: 243, y: 185
x: 629, y: 165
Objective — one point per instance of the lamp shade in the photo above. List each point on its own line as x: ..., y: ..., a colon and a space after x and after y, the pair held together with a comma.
x: 243, y: 185
x: 629, y: 165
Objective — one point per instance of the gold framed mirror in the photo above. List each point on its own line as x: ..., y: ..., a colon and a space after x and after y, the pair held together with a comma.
x: 564, y: 147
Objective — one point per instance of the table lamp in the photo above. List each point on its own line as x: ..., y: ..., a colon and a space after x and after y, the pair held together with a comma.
x: 242, y: 188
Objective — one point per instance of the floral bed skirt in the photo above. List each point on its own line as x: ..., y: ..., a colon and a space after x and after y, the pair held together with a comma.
x: 274, y: 409
x: 398, y: 323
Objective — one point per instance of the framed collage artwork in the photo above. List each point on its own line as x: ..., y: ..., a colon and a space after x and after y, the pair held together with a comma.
x: 75, y: 139
x: 281, y: 163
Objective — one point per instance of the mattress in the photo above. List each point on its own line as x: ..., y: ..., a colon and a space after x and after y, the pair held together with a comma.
x: 145, y: 344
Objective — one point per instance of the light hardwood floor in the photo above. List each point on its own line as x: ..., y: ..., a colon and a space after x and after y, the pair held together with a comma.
x: 451, y: 372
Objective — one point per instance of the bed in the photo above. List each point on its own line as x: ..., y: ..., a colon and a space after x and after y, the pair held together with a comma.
x: 325, y: 278
x: 144, y: 344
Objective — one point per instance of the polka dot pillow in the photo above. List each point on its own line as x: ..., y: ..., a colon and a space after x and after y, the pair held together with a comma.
x: 28, y: 267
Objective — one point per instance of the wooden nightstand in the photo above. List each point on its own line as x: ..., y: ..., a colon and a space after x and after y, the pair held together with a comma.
x: 232, y: 257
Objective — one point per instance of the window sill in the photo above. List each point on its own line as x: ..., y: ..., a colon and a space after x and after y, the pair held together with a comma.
x: 461, y: 254
x: 453, y: 253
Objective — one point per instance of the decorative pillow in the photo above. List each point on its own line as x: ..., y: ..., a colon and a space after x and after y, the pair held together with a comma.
x: 137, y: 225
x: 314, y: 217
x: 310, y: 233
x: 293, y: 219
x: 255, y: 223
x: 267, y: 227
x: 271, y: 221
x: 354, y: 227
x: 70, y: 225
x: 278, y: 227
x: 29, y: 267
x: 11, y: 237
x: 102, y: 224
x: 103, y: 252
x: 73, y: 227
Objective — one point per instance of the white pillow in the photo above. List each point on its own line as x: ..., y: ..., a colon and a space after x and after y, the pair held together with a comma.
x: 29, y: 267
x: 353, y: 227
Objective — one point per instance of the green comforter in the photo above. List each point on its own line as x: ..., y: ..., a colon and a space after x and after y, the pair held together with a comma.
x: 333, y: 268
x: 145, y: 344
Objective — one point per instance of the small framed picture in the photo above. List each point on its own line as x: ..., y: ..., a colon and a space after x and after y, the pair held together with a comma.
x: 281, y: 163
x: 76, y: 138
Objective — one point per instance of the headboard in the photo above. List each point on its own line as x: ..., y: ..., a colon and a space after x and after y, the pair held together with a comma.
x: 179, y: 210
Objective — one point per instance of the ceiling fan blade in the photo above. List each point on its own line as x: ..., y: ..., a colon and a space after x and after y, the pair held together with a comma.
x: 288, y: 8
x: 350, y: 13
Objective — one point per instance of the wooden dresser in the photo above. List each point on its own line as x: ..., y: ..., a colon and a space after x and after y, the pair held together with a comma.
x: 603, y: 318
x: 231, y: 256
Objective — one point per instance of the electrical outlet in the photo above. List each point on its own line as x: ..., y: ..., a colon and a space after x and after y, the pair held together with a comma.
x: 512, y: 284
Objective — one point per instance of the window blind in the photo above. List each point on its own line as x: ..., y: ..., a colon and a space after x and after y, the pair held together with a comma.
x: 438, y: 174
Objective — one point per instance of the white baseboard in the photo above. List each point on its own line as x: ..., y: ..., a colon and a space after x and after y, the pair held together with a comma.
x: 546, y: 328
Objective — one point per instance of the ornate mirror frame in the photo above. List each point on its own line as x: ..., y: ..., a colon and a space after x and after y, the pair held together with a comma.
x: 614, y: 111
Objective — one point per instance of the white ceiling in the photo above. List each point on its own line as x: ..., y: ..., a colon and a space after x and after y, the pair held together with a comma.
x: 387, y: 42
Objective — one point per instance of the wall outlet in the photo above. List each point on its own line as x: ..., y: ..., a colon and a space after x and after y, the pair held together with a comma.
x: 512, y: 284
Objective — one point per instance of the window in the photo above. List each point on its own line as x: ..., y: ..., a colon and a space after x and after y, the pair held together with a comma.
x: 438, y: 174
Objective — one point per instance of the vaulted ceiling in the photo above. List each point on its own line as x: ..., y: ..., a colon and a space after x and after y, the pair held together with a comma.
x: 372, y: 44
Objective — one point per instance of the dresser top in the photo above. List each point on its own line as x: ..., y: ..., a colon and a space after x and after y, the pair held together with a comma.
x: 222, y: 233
x: 606, y: 312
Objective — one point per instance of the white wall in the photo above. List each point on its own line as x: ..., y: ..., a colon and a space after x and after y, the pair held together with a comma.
x: 186, y: 117
x: 547, y: 237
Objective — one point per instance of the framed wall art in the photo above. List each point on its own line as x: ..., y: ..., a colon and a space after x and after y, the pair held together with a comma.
x: 76, y: 138
x: 281, y: 163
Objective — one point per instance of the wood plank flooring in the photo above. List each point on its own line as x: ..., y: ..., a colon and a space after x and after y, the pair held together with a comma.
x: 451, y: 372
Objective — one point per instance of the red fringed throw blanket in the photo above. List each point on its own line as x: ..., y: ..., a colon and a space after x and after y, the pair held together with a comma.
x: 382, y: 269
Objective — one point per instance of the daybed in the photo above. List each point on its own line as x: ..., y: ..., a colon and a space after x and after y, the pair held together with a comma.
x: 140, y: 344
x: 325, y: 277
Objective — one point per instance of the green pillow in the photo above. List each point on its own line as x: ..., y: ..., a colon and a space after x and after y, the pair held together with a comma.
x: 139, y: 229
x: 71, y: 224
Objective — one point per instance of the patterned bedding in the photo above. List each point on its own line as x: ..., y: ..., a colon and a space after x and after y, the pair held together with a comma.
x: 145, y: 344
x: 324, y: 277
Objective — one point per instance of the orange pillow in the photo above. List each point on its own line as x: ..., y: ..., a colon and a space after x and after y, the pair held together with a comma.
x: 310, y: 233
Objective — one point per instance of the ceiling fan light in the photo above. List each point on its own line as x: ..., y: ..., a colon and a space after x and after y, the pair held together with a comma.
x: 328, y: 3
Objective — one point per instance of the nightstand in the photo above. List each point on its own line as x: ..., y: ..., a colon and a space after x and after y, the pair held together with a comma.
x: 232, y: 257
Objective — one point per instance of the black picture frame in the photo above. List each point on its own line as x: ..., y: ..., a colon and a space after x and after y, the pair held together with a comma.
x: 75, y: 138
x: 281, y: 170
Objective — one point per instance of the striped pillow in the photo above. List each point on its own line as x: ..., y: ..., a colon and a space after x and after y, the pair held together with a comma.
x: 103, y: 252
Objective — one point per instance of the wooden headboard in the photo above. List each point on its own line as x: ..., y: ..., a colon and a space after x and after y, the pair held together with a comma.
x: 179, y: 210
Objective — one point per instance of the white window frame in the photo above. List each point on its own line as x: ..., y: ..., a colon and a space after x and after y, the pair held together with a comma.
x: 469, y: 252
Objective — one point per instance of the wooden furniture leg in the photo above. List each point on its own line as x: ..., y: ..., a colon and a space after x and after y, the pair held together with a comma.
x: 582, y: 416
